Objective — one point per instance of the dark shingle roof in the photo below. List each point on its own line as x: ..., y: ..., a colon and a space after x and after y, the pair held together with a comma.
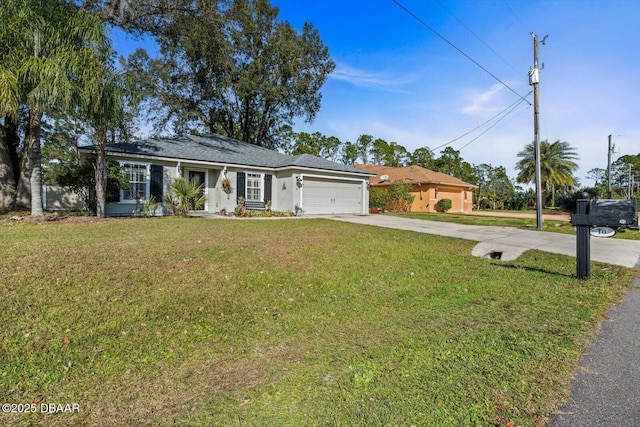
x: 220, y: 149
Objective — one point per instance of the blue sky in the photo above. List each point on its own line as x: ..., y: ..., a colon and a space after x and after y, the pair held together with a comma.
x: 397, y: 80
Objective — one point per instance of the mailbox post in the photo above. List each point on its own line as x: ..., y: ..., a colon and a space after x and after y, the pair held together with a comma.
x: 583, y: 242
x: 598, y: 213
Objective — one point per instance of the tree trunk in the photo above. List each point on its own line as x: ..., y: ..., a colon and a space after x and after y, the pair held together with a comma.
x: 23, y: 196
x: 35, y: 159
x: 101, y: 179
x: 8, y: 182
x: 544, y: 194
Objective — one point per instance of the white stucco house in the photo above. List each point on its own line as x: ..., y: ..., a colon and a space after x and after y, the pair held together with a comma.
x: 258, y: 174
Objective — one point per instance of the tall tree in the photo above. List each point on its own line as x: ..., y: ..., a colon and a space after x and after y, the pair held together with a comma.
x: 556, y: 165
x: 451, y: 163
x: 306, y: 143
x: 151, y: 16
x: 388, y: 153
x: 330, y: 148
x: 234, y: 68
x: 494, y: 186
x: 49, y: 65
x: 349, y: 153
x: 364, y: 144
x: 106, y: 115
x: 422, y: 157
x: 598, y: 175
x: 623, y: 174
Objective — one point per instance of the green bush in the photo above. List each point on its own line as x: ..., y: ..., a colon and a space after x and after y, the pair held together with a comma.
x: 80, y: 176
x: 378, y: 197
x: 443, y: 205
x: 185, y: 196
x: 400, y: 197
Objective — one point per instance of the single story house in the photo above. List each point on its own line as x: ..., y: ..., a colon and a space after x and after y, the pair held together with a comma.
x: 258, y: 174
x: 427, y: 186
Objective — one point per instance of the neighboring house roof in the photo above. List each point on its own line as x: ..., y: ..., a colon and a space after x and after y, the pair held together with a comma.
x: 220, y: 149
x: 411, y: 175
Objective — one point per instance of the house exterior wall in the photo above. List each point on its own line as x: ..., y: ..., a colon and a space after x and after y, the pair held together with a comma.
x: 286, y: 191
x: 128, y: 208
x: 461, y: 198
x: 426, y: 196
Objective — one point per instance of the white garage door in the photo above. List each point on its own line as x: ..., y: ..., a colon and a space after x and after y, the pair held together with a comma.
x: 328, y: 196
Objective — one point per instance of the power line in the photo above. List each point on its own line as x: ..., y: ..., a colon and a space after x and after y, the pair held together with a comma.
x: 458, y: 49
x: 504, y: 112
x: 490, y: 127
x: 516, y: 16
x: 475, y: 35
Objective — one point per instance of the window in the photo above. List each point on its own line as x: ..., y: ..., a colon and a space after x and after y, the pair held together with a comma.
x: 254, y: 187
x: 137, y: 174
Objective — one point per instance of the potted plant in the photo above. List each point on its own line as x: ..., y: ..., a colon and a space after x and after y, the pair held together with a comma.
x: 226, y: 185
x: 298, y: 210
x: 240, y: 209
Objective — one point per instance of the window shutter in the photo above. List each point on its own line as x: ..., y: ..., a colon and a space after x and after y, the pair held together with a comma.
x: 240, y: 185
x: 156, y: 189
x: 267, y: 188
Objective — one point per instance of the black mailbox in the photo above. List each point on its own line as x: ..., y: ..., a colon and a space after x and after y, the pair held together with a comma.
x: 608, y: 213
x: 599, y: 213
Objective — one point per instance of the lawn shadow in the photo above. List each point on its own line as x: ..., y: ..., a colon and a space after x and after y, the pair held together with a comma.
x: 536, y: 269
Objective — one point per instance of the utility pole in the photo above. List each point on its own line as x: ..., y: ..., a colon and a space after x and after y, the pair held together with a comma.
x: 609, y: 169
x: 534, y: 80
x: 629, y: 184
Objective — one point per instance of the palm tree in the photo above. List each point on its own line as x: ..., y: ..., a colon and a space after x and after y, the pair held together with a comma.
x: 49, y: 65
x: 107, y: 118
x: 556, y: 165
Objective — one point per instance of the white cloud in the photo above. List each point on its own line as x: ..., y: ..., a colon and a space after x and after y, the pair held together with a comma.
x: 363, y: 78
x: 484, y: 103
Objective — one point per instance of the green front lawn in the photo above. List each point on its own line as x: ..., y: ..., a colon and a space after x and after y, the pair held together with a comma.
x: 167, y: 321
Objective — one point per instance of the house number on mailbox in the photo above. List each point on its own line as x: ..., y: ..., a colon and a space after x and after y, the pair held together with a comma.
x: 602, y: 232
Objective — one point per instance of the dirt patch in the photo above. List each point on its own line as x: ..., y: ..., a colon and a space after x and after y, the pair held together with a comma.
x: 49, y: 217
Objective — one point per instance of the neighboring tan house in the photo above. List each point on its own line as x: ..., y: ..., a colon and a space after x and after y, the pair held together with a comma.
x: 427, y: 186
x: 258, y: 174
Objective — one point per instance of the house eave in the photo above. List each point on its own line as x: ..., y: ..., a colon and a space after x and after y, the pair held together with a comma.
x: 452, y: 184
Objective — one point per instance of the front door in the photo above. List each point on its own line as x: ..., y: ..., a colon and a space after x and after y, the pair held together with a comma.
x: 198, y: 178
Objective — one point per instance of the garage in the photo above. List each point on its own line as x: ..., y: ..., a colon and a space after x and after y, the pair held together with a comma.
x: 327, y: 196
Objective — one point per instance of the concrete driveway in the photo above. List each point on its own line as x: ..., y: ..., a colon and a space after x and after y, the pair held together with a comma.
x: 509, y: 242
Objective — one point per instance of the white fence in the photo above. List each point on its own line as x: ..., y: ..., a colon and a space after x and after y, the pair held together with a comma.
x: 55, y: 198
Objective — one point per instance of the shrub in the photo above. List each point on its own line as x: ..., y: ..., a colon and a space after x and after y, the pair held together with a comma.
x: 378, y: 197
x: 80, y: 177
x: 568, y: 203
x: 400, y: 197
x: 185, y: 196
x: 148, y: 208
x: 443, y: 205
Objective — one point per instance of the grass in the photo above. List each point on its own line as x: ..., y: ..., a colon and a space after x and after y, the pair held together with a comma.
x: 167, y: 321
x: 498, y: 221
